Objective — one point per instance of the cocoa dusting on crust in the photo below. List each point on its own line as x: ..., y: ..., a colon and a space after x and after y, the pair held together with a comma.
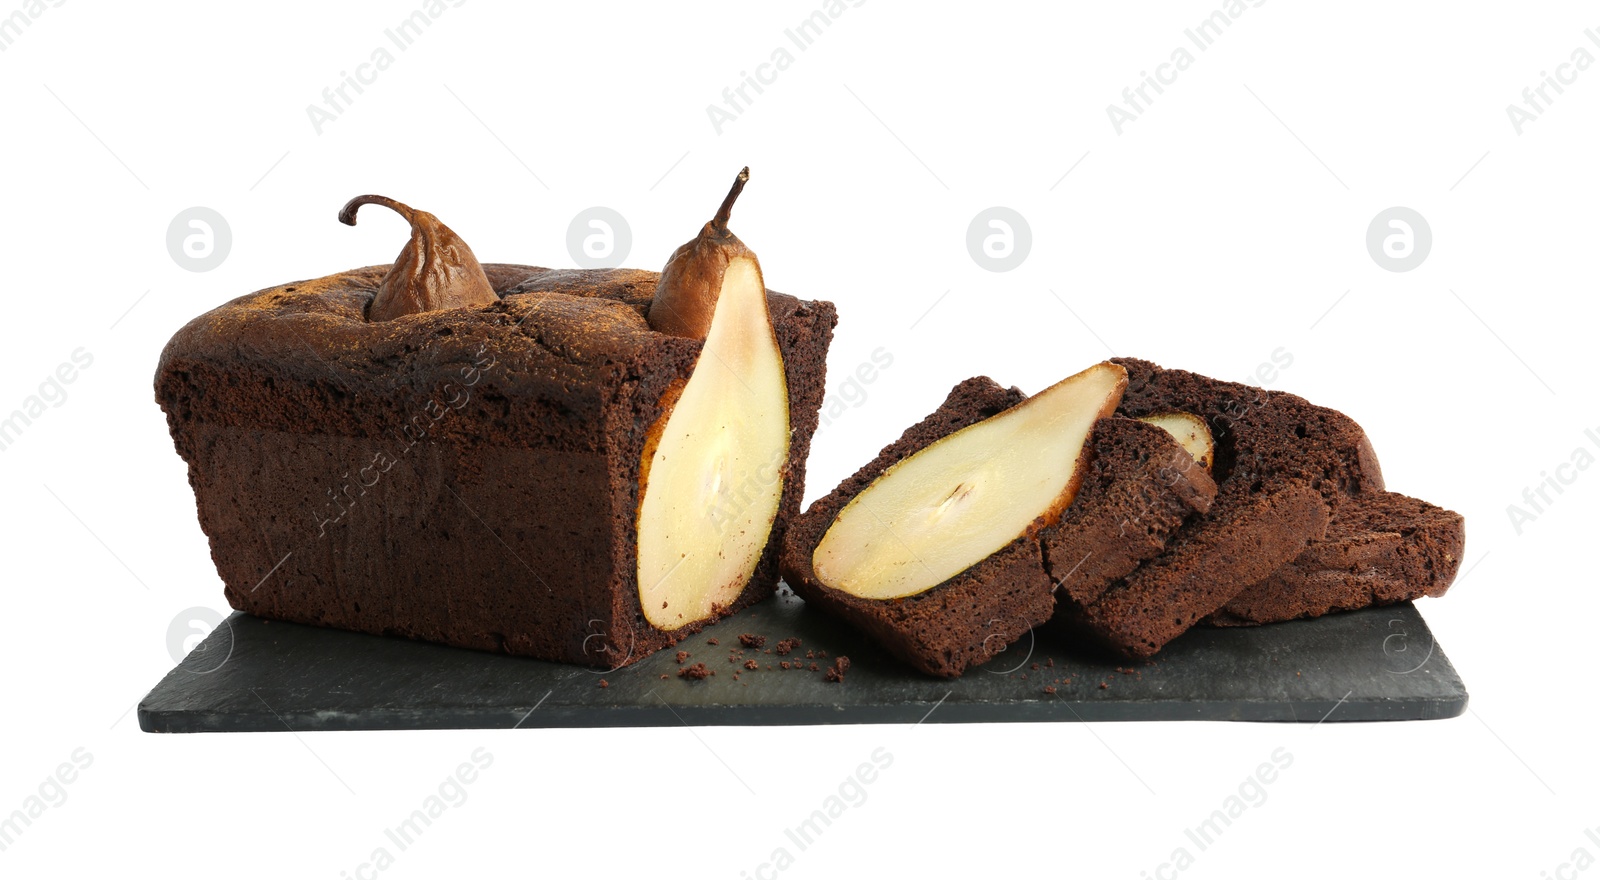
x: 786, y: 646
x: 696, y: 672
x: 682, y: 656
x: 751, y: 664
x: 835, y: 673
x: 751, y: 640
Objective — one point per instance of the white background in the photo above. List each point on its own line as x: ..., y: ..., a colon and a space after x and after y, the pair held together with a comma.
x: 1218, y: 227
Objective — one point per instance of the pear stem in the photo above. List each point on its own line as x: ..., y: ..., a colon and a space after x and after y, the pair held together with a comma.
x: 726, y: 211
x: 347, y: 214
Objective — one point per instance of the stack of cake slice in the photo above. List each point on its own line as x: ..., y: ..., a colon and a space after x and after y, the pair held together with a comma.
x: 1196, y: 501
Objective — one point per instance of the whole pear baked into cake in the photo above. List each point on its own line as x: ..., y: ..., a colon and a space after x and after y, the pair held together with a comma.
x: 502, y: 457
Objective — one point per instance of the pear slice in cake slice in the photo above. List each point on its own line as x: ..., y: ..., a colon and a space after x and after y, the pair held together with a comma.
x: 959, y: 500
x: 1190, y: 431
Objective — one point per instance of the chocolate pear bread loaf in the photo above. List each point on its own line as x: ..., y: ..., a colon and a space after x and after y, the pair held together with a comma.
x: 1381, y: 548
x: 1137, y: 486
x: 468, y: 475
x: 1283, y: 466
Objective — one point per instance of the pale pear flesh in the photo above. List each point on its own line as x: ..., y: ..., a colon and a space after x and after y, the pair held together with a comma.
x: 932, y: 515
x: 714, y: 480
x: 1190, y: 431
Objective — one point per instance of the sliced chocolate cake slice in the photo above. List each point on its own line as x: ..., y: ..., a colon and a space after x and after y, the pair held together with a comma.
x: 1139, y: 487
x: 1381, y: 548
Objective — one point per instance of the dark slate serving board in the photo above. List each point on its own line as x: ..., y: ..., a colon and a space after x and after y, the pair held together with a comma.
x: 1380, y: 664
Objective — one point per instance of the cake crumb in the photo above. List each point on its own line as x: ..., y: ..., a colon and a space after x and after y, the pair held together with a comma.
x: 1035, y: 667
x: 786, y: 646
x: 712, y: 640
x: 784, y: 664
x: 682, y: 656
x: 696, y: 672
x: 604, y: 683
x: 1104, y: 686
x: 835, y: 673
x: 751, y: 640
x: 1049, y: 688
x: 751, y: 664
x: 663, y: 676
x: 814, y: 668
